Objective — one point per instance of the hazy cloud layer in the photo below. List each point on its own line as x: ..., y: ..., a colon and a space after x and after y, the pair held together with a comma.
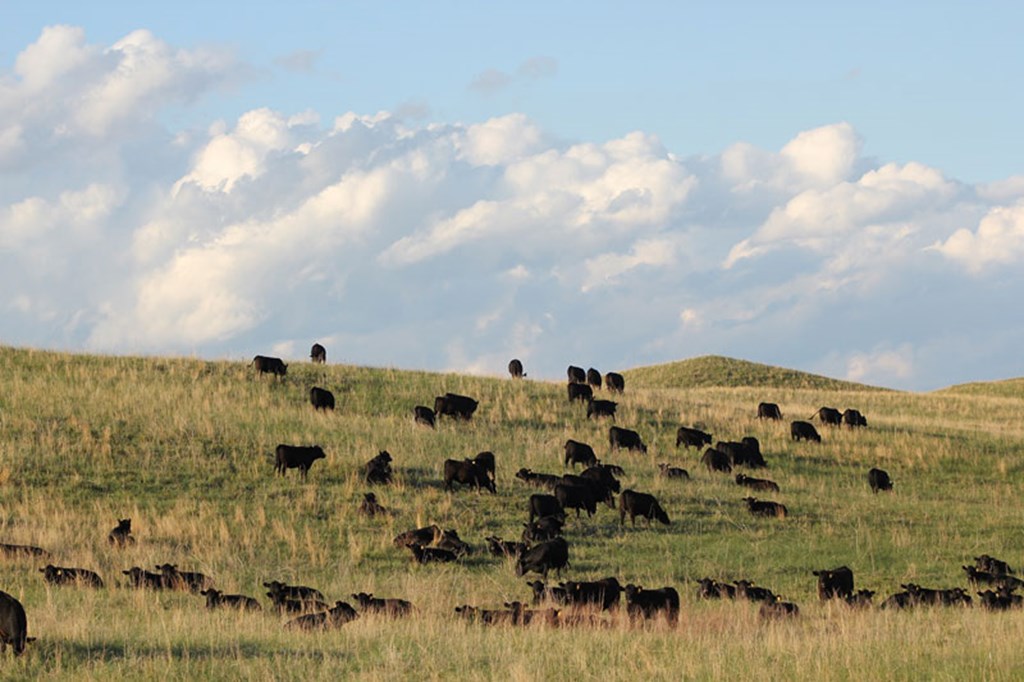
x: 458, y: 246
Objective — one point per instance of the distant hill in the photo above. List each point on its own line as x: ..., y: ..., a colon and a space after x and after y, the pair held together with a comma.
x: 1007, y: 388
x: 715, y: 370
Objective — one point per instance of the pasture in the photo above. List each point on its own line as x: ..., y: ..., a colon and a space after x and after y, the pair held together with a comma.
x: 185, y: 448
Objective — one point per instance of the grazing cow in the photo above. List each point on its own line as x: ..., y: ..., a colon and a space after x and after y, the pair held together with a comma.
x: 716, y: 460
x: 766, y: 508
x: 604, y: 593
x: 580, y: 392
x: 640, y: 504
x: 835, y: 583
x: 853, y: 418
x: 281, y: 590
x: 775, y: 610
x: 768, y: 411
x: 424, y: 415
x: 371, y: 507
x: 515, y: 368
x: 602, y: 475
x: 672, y: 472
x: 990, y: 564
x: 539, y: 480
x: 485, y: 460
x: 542, y: 505
x: 598, y: 486
x: 709, y: 588
x: 804, y: 431
x: 216, y: 599
x: 394, y: 608
x: 762, y: 484
x: 378, y: 469
x: 454, y: 405
x: 614, y: 382
x: 860, y: 599
x: 184, y: 580
x: 321, y: 398
x: 451, y: 541
x: 13, y: 624
x: 508, y: 549
x: 601, y: 408
x: 140, y: 578
x: 297, y: 457
x: 692, y: 438
x: 426, y: 555
x: 427, y: 535
x: 577, y: 497
x: 579, y: 453
x: 879, y: 480
x: 625, y: 438
x: 745, y: 589
x: 544, y: 528
x: 745, y: 453
x: 576, y: 375
x: 58, y: 575
x: 318, y: 354
x: 648, y: 603
x: 467, y: 472
x: 20, y: 551
x: 541, y: 593
x: 334, y: 617
x: 544, y: 556
x: 828, y: 415
x: 268, y: 365
x: 122, y: 535
x: 593, y: 378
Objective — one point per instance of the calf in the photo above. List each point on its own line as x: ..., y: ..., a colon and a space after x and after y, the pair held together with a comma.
x: 545, y: 528
x: 456, y: 406
x: 747, y: 590
x: 580, y: 392
x: 709, y: 588
x: 976, y: 577
x: 321, y: 399
x: 184, y: 580
x: 541, y: 593
x: 768, y: 411
x: 828, y: 415
x: 122, y: 535
x: 427, y: 555
x: 388, y: 607
x: 58, y: 575
x: 853, y: 418
x: 548, y: 481
x: 601, y: 408
x: 614, y: 382
x: 296, y: 592
x: 879, y: 480
x: 835, y: 583
x: 544, y: 556
x: 423, y: 415
x: 269, y: 365
x: 990, y: 564
x: 427, y: 535
x: 744, y: 453
x: 625, y: 438
x: 692, y: 438
x: 716, y: 460
x: 287, y: 605
x: 648, y: 603
x: 542, y: 505
x: 672, y: 472
x: 804, y: 431
x: 579, y: 453
x: 334, y: 617
x: 378, y: 469
x: 604, y: 593
x: 296, y: 457
x: 451, y: 541
x: 640, y: 504
x: 13, y: 624
x: 774, y: 610
x: 766, y: 508
x: 216, y: 599
x: 577, y: 497
x: 524, y: 616
x: 467, y: 472
x: 140, y: 578
x: 860, y: 599
x: 508, y: 549
x: 1000, y: 600
x: 370, y: 507
x: 762, y: 484
x: 602, y: 476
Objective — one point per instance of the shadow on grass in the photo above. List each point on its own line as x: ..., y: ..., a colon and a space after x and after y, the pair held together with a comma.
x: 114, y: 650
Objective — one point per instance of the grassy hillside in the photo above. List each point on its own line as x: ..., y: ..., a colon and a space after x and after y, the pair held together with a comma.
x: 1008, y: 388
x: 184, y: 448
x: 714, y: 370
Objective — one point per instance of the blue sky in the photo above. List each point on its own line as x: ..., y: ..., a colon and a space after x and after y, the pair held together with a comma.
x: 830, y: 187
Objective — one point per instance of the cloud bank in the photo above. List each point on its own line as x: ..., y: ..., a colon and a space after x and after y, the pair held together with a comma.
x: 447, y: 245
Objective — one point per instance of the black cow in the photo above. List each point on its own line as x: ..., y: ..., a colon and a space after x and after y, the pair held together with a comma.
x: 579, y: 453
x: 604, y: 593
x: 542, y: 505
x: 541, y: 593
x: 990, y: 564
x: 424, y: 415
x: 548, y: 481
x: 321, y: 398
x: 835, y: 583
x: 1000, y: 600
x: 216, y: 599
x: 485, y: 460
x: 318, y: 354
x: 427, y: 535
x: 184, y: 580
x: 625, y: 438
x: 299, y: 457
x: 762, y: 484
x: 544, y: 528
x: 378, y: 469
x: 853, y: 418
x: 576, y: 497
x: 709, y: 588
x: 593, y: 378
x: 768, y: 411
x: 122, y: 535
x: 451, y: 541
x: 576, y: 375
x: 334, y: 617
x: 282, y: 590
x: 141, y: 578
x: 602, y: 475
x: 601, y: 408
x: 371, y: 507
x: 692, y: 438
x: 580, y: 392
x: 17, y: 551
x: 648, y: 603
x: 13, y: 624
x: 898, y: 600
x: 515, y: 368
x: 640, y: 504
x: 773, y: 610
x: 388, y: 607
x: 804, y: 431
x: 287, y: 605
x: 745, y: 589
x: 828, y: 415
x: 544, y: 556
x: 879, y: 480
x: 614, y: 382
x: 766, y: 508
x: 508, y: 549
x: 976, y: 577
x: 467, y: 472
x: 860, y: 599
x: 59, y: 575
x: 745, y: 453
x: 672, y: 472
x: 268, y: 365
x: 716, y: 460
x: 454, y: 405
x: 426, y: 555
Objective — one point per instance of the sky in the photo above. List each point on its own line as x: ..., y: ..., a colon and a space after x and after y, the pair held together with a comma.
x: 445, y: 186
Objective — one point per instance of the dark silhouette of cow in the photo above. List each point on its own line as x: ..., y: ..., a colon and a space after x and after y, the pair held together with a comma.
x: 424, y: 415
x: 81, y: 577
x: 1000, y: 600
x: 601, y: 408
x: 768, y: 411
x: 215, y: 599
x: 853, y: 418
x: 641, y: 602
x: 189, y: 581
x: 604, y: 593
x: 760, y: 484
x: 121, y: 536
x: 672, y: 472
x: 828, y: 415
x: 576, y: 375
x: 836, y: 583
x: 766, y: 508
x: 746, y: 589
x: 614, y: 382
x: 860, y: 599
x: 485, y: 460
x: 579, y: 453
x: 548, y: 481
x: 318, y: 354
x: 287, y: 605
x: 21, y: 551
x: 577, y: 497
x: 580, y: 392
x: 626, y: 439
x: 321, y: 399
x: 640, y: 504
x: 799, y: 430
x: 744, y: 453
x: 427, y: 535
x: 507, y: 549
x: 515, y: 368
x: 334, y: 617
x: 395, y: 608
x: 142, y: 579
x: 716, y: 460
x: 269, y: 365
x: 371, y: 507
x: 467, y: 472
x: 544, y: 528
x: 543, y: 593
x: 990, y: 564
x: 692, y: 438
x: 432, y: 555
x: 378, y: 469
x: 451, y: 541
x: 299, y: 457
x: 879, y: 480
x: 775, y: 610
x: 282, y: 590
x: 709, y: 588
x: 976, y: 577
x: 542, y: 505
x: 455, y: 406
x: 13, y: 624
x: 543, y: 557
x: 593, y: 378
x: 602, y: 475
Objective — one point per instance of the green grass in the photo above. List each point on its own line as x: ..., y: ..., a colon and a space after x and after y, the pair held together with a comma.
x: 184, y: 447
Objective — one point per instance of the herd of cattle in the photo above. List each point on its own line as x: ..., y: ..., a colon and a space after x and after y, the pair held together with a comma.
x: 542, y: 546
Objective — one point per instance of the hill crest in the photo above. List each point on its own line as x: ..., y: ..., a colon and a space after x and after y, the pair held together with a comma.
x: 716, y: 370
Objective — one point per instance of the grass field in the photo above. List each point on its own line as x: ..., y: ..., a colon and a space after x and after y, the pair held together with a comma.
x: 185, y: 449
